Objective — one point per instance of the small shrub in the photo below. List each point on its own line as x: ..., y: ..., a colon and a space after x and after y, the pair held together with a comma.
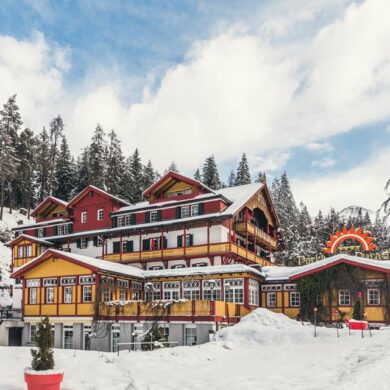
x: 43, y: 358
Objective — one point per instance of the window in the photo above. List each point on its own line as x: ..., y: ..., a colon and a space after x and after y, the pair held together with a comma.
x: 128, y: 219
x: 68, y: 294
x: 68, y: 280
x: 136, y: 296
x: 87, y: 293
x: 194, y: 210
x: 28, y: 250
x: 40, y: 233
x: 179, y: 193
x: 212, y: 290
x: 99, y: 241
x: 66, y: 229
x: 121, y: 220
x: 344, y: 298
x: 107, y: 294
x: 124, y: 246
x: 50, y: 295
x: 115, y: 335
x: 185, y: 211
x: 271, y: 299
x: 234, y: 290
x: 50, y: 282
x: 33, y: 296
x: 20, y: 251
x: 100, y: 215
x: 90, y: 279
x: 295, y: 299
x: 253, y: 292
x: 60, y: 230
x: 171, y: 290
x: 84, y: 217
x: 25, y: 251
x: 123, y: 295
x: 68, y: 336
x: 153, y: 216
x: 33, y: 330
x: 152, y: 291
x: 155, y: 243
x: 84, y: 243
x: 191, y: 290
x: 190, y: 335
x: 373, y: 296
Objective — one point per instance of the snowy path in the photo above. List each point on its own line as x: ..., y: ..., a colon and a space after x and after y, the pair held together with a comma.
x: 248, y: 356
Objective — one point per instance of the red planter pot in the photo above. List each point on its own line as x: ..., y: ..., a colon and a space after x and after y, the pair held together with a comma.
x: 358, y: 325
x: 43, y: 381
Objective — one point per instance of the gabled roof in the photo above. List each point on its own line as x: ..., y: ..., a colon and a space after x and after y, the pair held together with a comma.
x: 49, y: 199
x: 29, y: 238
x: 44, y: 223
x: 174, y: 177
x: 85, y: 191
x: 292, y: 273
x: 89, y: 262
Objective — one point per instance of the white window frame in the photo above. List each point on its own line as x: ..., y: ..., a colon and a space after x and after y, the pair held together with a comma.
x: 32, y: 332
x: 49, y: 293
x: 60, y: 230
x: 128, y: 219
x: 66, y: 229
x: 153, y: 216
x: 185, y: 214
x: 235, y: 293
x: 33, y: 293
x: 84, y: 216
x: 120, y: 220
x: 212, y: 294
x: 136, y: 296
x: 272, y: 299
x: 100, y: 214
x: 370, y: 302
x: 83, y: 243
x: 40, y: 232
x: 68, y: 292
x: 87, y: 289
x: 254, y: 291
x: 195, y: 210
x: 295, y: 299
x: 68, y: 329
x: 115, y: 337
x: 107, y: 294
x: 191, y: 290
x: 171, y: 290
x: 28, y: 250
x: 344, y: 297
x: 123, y: 294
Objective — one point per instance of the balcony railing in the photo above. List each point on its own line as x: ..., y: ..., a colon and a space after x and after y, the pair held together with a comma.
x: 244, y: 227
x: 175, y: 310
x: 181, y: 253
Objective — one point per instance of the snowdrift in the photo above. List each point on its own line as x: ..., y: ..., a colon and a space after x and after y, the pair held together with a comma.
x: 264, y: 327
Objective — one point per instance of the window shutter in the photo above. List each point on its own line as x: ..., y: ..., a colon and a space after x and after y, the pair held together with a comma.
x: 178, y: 212
x: 201, y: 208
x: 158, y: 215
x: 95, y: 240
x: 146, y: 244
x: 78, y: 243
x: 147, y: 217
x: 116, y: 247
x: 86, y: 242
x: 132, y: 219
x: 70, y: 228
x: 191, y: 239
x: 114, y: 222
x: 130, y: 246
x: 36, y: 232
x: 55, y: 231
x: 165, y: 242
x: 179, y: 241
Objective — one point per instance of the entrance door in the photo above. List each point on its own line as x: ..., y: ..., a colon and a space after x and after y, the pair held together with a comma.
x: 15, y: 337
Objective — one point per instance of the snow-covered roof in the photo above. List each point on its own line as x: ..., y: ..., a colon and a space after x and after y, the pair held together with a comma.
x: 50, y: 197
x: 49, y: 222
x: 31, y: 238
x: 98, y: 190
x: 193, y: 271
x: 273, y: 273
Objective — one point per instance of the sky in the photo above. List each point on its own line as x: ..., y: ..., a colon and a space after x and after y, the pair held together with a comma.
x: 301, y: 86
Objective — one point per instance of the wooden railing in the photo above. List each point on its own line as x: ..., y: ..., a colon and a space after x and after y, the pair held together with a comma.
x: 243, y: 227
x: 178, y: 253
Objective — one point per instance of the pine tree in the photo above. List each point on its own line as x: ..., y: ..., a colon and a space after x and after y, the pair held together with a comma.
x: 357, y: 310
x: 97, y: 158
x: 65, y: 173
x: 83, y: 171
x: 232, y: 179
x: 43, y: 358
x: 210, y: 175
x: 261, y: 178
x: 197, y: 175
x: 172, y: 168
x: 43, y: 165
x: 115, y: 164
x: 56, y: 130
x: 26, y: 153
x: 243, y: 176
x: 133, y: 178
x: 386, y: 204
x: 305, y: 231
x: 149, y: 175
x: 320, y: 234
x: 10, y: 119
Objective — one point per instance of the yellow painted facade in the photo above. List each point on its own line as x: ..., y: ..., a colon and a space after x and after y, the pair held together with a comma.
x: 24, y: 251
x: 53, y: 213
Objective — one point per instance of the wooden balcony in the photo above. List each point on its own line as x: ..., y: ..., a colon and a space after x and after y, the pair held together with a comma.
x: 183, y: 310
x: 244, y: 227
x: 224, y: 248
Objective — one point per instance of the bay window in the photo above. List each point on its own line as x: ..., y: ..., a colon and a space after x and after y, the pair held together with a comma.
x: 234, y: 290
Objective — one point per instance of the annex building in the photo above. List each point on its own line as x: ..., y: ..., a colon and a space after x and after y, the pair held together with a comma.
x: 189, y: 259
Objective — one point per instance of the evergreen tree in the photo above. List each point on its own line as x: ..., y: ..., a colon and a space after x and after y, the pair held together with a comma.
x: 232, y: 179
x: 332, y: 222
x: 96, y: 158
x: 43, y: 358
x: 115, y: 164
x: 83, y: 171
x: 149, y: 175
x: 261, y: 178
x: 320, y: 234
x: 305, y: 231
x: 210, y: 175
x: 10, y: 119
x: 172, y: 167
x: 43, y: 165
x: 133, y: 178
x: 243, y: 176
x: 26, y: 153
x: 56, y: 129
x: 386, y: 204
x: 357, y: 310
x: 197, y: 175
x: 65, y: 173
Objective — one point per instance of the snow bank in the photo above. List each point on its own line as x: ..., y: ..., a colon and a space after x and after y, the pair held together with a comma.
x: 263, y: 327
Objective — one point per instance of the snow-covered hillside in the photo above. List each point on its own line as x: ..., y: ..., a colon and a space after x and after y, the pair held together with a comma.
x: 264, y: 351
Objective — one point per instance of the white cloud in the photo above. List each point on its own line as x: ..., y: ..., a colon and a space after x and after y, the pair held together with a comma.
x: 363, y: 185
x: 321, y: 147
x: 326, y: 162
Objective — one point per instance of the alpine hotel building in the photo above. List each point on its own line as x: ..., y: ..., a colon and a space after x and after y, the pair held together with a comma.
x: 189, y: 259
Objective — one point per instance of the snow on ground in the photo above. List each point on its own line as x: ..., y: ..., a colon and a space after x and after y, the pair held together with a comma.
x: 264, y: 351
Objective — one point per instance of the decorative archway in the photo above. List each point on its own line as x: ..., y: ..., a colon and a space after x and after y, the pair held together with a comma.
x: 363, y: 238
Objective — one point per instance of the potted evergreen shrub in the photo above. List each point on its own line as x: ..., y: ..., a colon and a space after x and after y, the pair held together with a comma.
x: 42, y: 375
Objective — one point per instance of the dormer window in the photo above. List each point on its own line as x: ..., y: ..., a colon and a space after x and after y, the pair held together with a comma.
x: 84, y: 217
x: 179, y: 193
